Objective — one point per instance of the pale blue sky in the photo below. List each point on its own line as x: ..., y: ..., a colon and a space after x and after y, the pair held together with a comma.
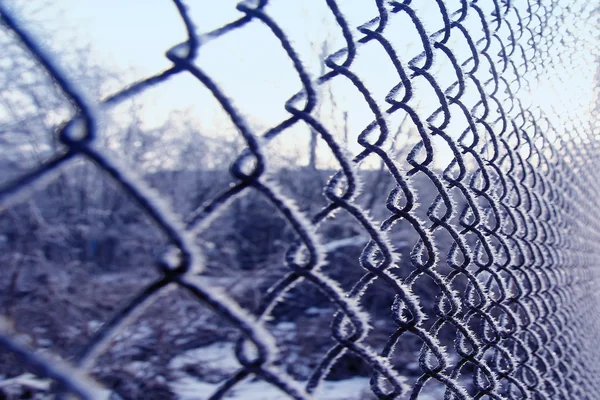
x: 130, y: 37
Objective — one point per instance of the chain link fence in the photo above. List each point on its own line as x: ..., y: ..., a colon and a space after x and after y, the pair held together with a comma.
x: 514, y: 314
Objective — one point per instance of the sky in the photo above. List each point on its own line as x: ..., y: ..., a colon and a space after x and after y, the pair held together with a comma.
x: 130, y: 38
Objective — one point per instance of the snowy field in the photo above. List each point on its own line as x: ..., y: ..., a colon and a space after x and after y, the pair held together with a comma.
x: 219, y: 359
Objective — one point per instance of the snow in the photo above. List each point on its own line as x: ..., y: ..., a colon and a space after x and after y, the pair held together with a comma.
x: 349, y: 389
x: 218, y: 356
x: 217, y: 362
x: 347, y: 242
x: 27, y: 380
x: 286, y: 326
x: 189, y: 388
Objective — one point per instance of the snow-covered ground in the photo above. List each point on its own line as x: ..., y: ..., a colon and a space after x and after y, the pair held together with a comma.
x: 217, y: 361
x: 349, y: 389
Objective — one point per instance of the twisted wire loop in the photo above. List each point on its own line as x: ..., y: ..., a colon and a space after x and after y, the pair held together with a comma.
x: 517, y: 200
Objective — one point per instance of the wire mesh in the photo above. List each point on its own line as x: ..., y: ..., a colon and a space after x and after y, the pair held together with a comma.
x: 518, y: 199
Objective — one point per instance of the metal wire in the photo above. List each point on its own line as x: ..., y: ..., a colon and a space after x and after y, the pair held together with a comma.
x: 520, y: 207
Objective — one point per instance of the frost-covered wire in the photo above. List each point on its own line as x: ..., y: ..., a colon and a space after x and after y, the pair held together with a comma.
x: 520, y: 209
